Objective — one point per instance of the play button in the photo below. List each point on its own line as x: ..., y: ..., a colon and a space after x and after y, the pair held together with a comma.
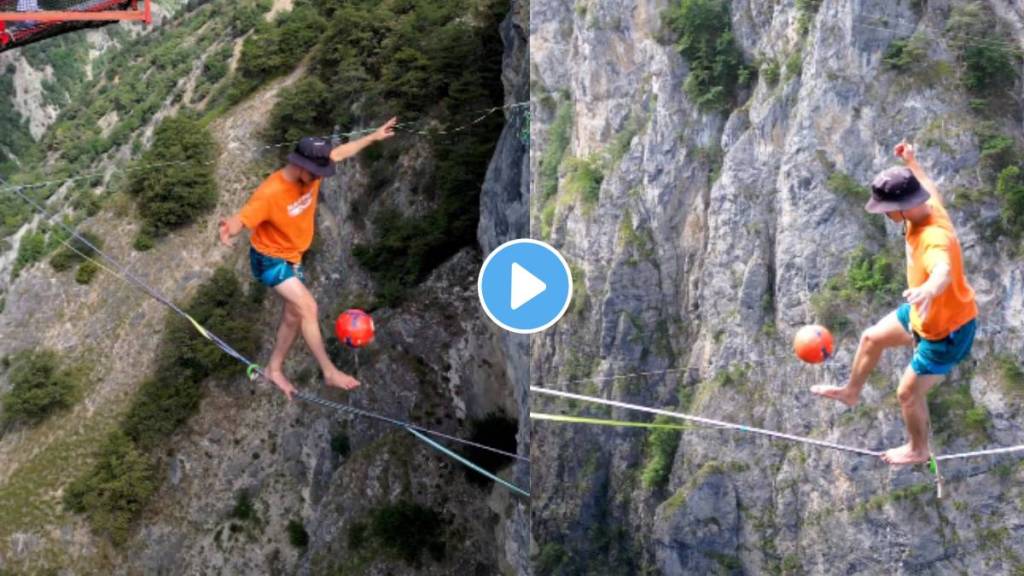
x: 525, y: 286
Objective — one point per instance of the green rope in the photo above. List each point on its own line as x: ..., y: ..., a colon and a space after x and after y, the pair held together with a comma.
x: 604, y: 422
x: 467, y: 463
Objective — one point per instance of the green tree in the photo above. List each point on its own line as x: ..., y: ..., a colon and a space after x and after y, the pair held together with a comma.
x: 114, y: 494
x: 67, y: 257
x: 407, y: 529
x: 274, y: 49
x: 998, y: 150
x: 18, y: 140
x: 39, y: 387
x: 301, y: 110
x: 990, y: 66
x: 246, y: 16
x: 806, y: 10
x: 177, y: 184
x: 215, y: 67
x: 31, y: 248
x: 659, y: 454
x: 297, y: 534
x: 86, y: 272
x: 907, y: 53
x: 706, y: 41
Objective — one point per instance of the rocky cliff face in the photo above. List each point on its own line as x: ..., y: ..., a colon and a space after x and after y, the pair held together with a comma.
x: 249, y: 464
x: 704, y: 240
x: 504, y: 216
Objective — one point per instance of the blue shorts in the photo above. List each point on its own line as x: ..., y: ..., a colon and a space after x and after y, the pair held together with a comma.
x: 272, y: 271
x: 938, y: 356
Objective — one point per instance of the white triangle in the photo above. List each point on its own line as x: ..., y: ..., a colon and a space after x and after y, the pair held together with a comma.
x: 525, y: 286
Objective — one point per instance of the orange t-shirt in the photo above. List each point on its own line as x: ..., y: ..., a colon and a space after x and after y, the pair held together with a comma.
x: 281, y: 215
x: 928, y: 244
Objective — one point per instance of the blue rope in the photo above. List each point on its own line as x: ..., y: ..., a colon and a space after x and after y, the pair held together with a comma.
x: 469, y: 464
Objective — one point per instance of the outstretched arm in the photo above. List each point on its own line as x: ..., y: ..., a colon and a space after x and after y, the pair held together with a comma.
x: 387, y: 130
x: 905, y: 152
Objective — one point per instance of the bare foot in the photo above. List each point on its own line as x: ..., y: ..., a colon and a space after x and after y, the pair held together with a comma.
x: 276, y: 376
x: 840, y: 393
x: 339, y: 379
x: 904, y: 455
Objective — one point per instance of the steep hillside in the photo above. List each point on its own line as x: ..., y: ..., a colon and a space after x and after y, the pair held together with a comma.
x: 706, y: 177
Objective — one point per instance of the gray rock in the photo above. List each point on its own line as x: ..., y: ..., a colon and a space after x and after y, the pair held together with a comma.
x: 740, y: 231
x: 699, y: 535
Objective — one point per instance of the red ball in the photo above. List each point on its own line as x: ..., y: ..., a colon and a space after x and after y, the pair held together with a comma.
x: 354, y: 328
x: 813, y: 344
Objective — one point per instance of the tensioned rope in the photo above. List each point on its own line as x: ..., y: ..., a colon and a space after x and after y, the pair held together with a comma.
x: 705, y: 421
x: 253, y: 369
x: 754, y: 430
x: 607, y: 422
x: 466, y: 462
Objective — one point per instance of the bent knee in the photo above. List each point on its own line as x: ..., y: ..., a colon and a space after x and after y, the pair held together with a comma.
x: 292, y: 313
x: 911, y: 389
x: 871, y: 339
x: 906, y: 393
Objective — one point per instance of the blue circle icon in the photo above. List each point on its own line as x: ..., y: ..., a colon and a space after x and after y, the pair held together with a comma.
x: 525, y: 286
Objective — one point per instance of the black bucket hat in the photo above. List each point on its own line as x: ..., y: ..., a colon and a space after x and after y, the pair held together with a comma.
x: 895, y: 189
x: 313, y: 154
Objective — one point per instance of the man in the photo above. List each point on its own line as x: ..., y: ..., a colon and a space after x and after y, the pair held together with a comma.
x: 938, y: 318
x: 280, y: 215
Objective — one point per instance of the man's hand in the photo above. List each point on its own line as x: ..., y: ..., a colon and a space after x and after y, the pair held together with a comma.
x: 921, y: 298
x: 228, y: 229
x: 905, y: 151
x: 225, y: 233
x: 387, y: 130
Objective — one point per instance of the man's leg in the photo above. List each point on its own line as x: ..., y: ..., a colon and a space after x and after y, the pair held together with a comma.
x: 913, y: 396
x: 886, y: 333
x: 286, y: 333
x: 296, y: 294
